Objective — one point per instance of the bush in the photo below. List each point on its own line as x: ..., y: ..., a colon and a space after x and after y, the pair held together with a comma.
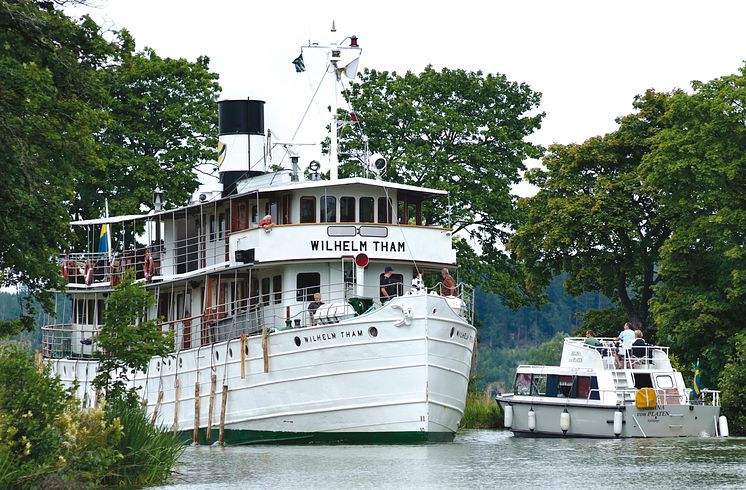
x: 149, y: 452
x: 733, y: 387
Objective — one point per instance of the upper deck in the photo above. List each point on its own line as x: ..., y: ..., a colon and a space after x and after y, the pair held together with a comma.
x: 311, y: 220
x: 576, y: 353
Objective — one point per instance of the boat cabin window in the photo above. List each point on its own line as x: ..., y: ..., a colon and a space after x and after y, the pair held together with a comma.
x: 664, y: 381
x: 522, y: 384
x: 308, y: 209
x: 538, y: 384
x: 346, y: 209
x: 221, y: 227
x: 265, y: 291
x: 367, y: 210
x: 568, y: 386
x: 307, y: 284
x: 212, y: 228
x: 384, y: 210
x: 328, y: 209
x: 286, y: 199
x: 277, y: 289
x: 642, y: 380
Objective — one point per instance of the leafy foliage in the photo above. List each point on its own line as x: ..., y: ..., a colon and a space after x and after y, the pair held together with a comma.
x: 733, y: 384
x: 459, y: 131
x: 126, y: 341
x: 83, y: 118
x: 592, y: 218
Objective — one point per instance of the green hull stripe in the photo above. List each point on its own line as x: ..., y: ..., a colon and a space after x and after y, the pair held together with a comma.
x: 235, y: 437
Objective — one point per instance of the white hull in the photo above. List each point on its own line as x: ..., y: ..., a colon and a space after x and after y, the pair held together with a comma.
x: 327, y: 382
x: 598, y: 421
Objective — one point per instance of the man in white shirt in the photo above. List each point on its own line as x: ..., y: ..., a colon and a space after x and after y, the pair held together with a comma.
x: 627, y: 335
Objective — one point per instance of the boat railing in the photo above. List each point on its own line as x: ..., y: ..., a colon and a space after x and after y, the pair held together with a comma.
x: 69, y: 341
x: 614, y: 356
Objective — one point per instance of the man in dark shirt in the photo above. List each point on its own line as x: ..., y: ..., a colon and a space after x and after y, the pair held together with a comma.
x: 388, y: 285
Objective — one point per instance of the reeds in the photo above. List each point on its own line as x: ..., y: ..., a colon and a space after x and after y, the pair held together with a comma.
x: 481, y: 412
x: 149, y: 452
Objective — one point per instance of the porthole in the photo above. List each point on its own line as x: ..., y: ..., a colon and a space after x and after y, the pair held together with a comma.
x: 64, y: 369
x: 217, y: 355
x: 246, y: 349
x: 435, y: 310
x: 180, y: 362
x: 230, y: 353
x: 373, y: 332
x: 452, y: 330
x: 169, y: 364
x: 158, y: 366
x: 297, y: 341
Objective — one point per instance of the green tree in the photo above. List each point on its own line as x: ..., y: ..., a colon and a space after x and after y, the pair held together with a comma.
x: 733, y: 385
x: 459, y: 131
x: 127, y: 341
x: 594, y: 219
x: 699, y: 163
x: 51, y: 106
x: 162, y: 125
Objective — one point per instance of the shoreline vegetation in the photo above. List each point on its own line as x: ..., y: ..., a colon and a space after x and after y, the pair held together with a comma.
x: 481, y: 412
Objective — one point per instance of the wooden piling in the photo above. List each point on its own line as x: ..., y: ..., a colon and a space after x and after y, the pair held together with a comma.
x: 177, y: 389
x: 221, y: 434
x: 196, y: 412
x: 39, y: 361
x: 157, y: 407
x: 265, y: 348
x: 210, y: 411
x: 243, y: 356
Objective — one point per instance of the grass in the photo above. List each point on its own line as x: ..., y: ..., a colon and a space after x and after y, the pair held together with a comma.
x: 149, y: 453
x: 481, y: 412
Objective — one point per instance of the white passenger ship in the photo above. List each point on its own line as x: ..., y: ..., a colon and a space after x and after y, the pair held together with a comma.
x: 588, y: 395
x: 251, y: 363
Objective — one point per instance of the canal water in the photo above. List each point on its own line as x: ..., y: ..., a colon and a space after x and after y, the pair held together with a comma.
x: 476, y: 459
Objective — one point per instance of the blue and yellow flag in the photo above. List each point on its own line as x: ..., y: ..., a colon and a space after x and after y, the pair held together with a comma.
x: 103, y: 240
x: 697, y: 384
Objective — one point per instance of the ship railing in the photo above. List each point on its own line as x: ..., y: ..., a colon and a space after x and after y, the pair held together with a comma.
x: 250, y: 316
x: 71, y: 341
x: 636, y: 357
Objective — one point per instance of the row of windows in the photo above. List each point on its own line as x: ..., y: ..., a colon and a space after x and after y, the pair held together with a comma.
x: 347, y: 210
x: 555, y: 385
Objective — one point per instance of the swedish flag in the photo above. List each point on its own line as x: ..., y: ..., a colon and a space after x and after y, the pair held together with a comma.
x: 697, y: 384
x: 103, y: 241
x: 299, y: 64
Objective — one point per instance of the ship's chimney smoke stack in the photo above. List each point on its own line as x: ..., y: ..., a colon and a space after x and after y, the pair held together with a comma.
x: 241, y: 149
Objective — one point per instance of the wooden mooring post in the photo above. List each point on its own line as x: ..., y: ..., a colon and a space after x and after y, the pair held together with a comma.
x: 177, y: 389
x: 221, y: 434
x: 243, y: 356
x: 265, y: 348
x: 157, y: 406
x: 196, y: 412
x: 211, y: 408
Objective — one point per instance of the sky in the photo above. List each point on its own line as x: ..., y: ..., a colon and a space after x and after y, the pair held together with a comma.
x: 587, y: 58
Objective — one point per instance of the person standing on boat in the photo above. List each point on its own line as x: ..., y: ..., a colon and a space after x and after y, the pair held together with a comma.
x: 626, y: 336
x: 448, y: 286
x: 591, y: 340
x: 313, y: 306
x: 388, y: 285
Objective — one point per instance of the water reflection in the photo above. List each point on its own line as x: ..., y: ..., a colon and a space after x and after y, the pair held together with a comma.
x: 476, y: 459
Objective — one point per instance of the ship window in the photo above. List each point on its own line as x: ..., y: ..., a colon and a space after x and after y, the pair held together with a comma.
x: 522, y: 384
x: 308, y: 283
x: 642, y: 380
x: 384, y: 210
x: 265, y: 291
x: 328, y: 209
x: 583, y: 387
x: 308, y: 209
x: 347, y: 209
x: 538, y: 385
x: 221, y: 227
x: 564, y: 387
x: 277, y: 288
x: 552, y: 383
x: 367, y: 210
x: 664, y: 381
x: 212, y: 228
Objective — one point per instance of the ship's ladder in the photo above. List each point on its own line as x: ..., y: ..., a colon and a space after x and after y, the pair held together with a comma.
x: 621, y: 385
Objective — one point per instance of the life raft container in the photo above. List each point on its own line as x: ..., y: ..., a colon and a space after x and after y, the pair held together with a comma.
x: 646, y: 399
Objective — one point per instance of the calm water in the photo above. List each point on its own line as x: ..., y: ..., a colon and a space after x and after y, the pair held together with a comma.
x: 476, y: 459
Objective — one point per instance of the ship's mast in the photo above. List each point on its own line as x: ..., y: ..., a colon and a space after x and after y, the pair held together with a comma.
x: 349, y: 68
